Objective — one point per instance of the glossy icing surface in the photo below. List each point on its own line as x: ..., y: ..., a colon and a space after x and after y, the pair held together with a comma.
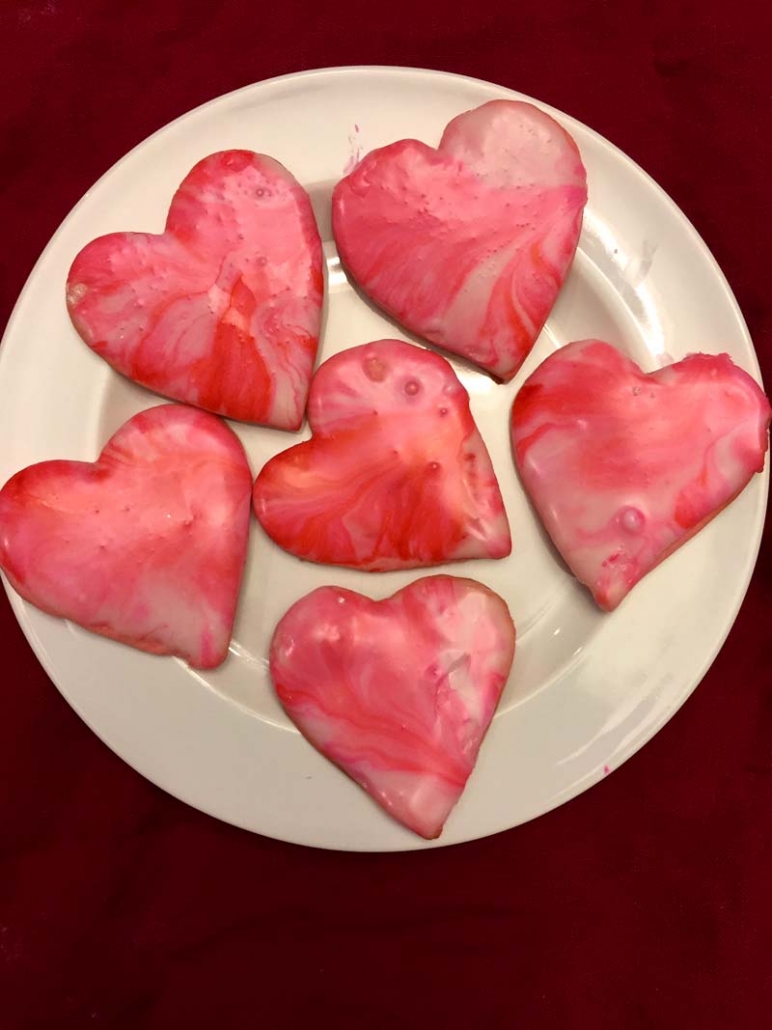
x: 147, y: 544
x: 223, y: 309
x: 396, y: 474
x: 624, y: 467
x: 398, y: 693
x: 469, y: 244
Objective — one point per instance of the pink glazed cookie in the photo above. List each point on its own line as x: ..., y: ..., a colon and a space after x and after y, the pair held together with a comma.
x: 396, y: 475
x: 623, y: 467
x: 146, y: 545
x: 398, y: 693
x: 467, y: 245
x: 223, y: 309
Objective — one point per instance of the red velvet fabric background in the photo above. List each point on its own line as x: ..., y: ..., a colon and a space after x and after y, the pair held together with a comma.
x: 647, y: 902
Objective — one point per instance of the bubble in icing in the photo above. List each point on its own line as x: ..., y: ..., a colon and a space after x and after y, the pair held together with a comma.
x: 631, y: 519
x: 412, y: 387
x: 375, y: 369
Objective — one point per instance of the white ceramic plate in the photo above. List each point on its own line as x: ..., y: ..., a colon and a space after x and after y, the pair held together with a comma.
x: 587, y: 689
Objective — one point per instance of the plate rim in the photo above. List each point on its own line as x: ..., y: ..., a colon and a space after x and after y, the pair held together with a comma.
x: 648, y: 730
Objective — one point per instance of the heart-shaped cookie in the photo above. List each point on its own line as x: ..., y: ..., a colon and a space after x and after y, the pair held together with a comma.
x: 625, y: 467
x: 396, y: 475
x: 147, y: 544
x: 398, y: 693
x: 223, y: 309
x: 467, y: 245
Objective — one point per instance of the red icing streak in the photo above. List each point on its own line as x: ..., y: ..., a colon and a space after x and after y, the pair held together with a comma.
x: 235, y: 368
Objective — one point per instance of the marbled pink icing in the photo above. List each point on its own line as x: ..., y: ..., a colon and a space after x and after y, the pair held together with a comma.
x: 467, y: 245
x: 398, y: 693
x: 396, y: 474
x: 624, y: 467
x: 223, y: 309
x: 147, y: 545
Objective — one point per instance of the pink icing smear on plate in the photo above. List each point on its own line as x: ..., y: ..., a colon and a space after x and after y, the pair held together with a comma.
x: 223, y: 309
x: 146, y: 545
x: 398, y: 693
x: 468, y: 245
x: 623, y: 467
x: 396, y: 474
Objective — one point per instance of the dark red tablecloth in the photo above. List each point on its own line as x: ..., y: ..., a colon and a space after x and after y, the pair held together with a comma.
x: 645, y: 903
